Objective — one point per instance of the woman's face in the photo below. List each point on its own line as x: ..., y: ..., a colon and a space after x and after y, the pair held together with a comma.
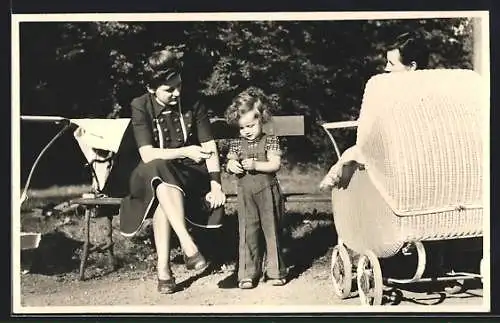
x: 169, y: 93
x: 394, y: 63
x: 250, y: 125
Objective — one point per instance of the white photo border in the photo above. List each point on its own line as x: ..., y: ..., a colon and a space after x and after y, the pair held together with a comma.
x: 18, y: 308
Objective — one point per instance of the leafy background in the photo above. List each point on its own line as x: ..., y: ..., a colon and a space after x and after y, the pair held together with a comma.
x: 313, y: 68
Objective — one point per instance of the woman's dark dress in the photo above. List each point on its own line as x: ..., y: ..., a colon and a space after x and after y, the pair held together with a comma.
x: 168, y: 127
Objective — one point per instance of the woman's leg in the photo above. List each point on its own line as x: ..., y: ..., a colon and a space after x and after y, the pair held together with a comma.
x: 161, y: 229
x: 172, y: 204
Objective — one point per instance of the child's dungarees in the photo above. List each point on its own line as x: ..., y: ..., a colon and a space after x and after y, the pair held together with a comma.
x: 260, y: 207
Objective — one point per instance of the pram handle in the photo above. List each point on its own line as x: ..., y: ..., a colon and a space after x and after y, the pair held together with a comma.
x: 57, y: 120
x: 54, y: 119
x: 338, y: 125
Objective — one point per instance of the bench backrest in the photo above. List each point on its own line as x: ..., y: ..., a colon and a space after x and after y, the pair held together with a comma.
x: 128, y: 157
x: 278, y: 126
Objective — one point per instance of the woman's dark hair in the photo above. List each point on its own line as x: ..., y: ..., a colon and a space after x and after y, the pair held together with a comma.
x: 161, y: 67
x: 413, y: 47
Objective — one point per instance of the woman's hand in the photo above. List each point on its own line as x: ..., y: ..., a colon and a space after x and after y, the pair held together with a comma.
x: 216, y: 196
x: 332, y: 178
x: 196, y: 153
x: 350, y: 158
x: 234, y: 166
x: 340, y: 174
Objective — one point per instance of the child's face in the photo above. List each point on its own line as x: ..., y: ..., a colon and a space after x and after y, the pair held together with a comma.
x: 250, y: 126
x: 168, y: 93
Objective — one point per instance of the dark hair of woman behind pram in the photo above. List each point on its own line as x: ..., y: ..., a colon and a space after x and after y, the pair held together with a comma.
x: 409, y: 51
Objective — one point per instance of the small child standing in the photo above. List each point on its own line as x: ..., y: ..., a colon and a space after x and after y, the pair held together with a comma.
x: 255, y: 158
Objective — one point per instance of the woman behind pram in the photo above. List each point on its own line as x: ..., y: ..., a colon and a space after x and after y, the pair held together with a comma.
x: 409, y: 52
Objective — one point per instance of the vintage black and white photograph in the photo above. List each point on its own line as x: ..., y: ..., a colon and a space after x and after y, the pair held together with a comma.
x: 251, y: 162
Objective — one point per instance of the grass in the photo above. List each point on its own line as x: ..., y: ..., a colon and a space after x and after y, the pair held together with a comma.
x: 292, y: 180
x: 308, y: 229
x: 41, y: 198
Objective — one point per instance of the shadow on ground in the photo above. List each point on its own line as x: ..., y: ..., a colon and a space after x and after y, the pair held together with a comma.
x: 56, y: 254
x: 310, y: 237
x: 305, y: 238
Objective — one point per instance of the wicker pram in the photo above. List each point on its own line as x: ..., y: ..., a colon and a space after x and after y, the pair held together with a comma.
x: 418, y: 177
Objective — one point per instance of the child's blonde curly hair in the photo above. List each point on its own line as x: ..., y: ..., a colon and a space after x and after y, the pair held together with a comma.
x: 252, y: 98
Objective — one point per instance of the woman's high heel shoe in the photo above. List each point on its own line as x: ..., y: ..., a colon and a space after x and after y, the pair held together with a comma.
x: 167, y: 286
x: 196, y: 262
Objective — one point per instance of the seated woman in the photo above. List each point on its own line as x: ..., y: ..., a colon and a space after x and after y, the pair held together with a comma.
x: 179, y: 160
x: 407, y: 53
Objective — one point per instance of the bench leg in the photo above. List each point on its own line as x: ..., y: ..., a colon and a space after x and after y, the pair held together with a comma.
x: 109, y: 242
x: 85, y: 252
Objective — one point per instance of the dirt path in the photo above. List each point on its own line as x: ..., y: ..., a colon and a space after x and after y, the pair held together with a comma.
x: 127, y: 289
x: 134, y: 284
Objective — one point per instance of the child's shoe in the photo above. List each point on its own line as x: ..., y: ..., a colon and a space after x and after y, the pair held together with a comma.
x: 277, y: 281
x: 246, y: 283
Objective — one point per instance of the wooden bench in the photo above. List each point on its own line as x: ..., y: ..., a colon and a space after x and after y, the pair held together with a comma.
x: 279, y: 126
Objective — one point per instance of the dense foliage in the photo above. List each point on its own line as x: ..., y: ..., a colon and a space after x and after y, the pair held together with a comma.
x: 314, y: 68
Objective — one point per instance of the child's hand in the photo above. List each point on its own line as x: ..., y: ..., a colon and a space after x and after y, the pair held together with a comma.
x: 234, y: 167
x: 248, y: 164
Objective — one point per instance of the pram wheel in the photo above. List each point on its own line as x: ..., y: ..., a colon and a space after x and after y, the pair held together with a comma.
x: 369, y: 278
x: 341, y: 271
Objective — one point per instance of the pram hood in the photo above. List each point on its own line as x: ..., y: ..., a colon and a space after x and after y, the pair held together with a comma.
x: 420, y: 136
